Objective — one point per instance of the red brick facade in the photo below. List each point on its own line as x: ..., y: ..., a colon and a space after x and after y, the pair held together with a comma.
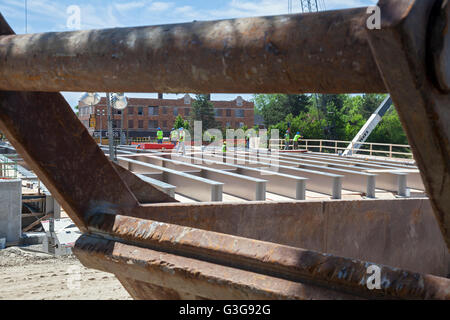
x: 143, y: 116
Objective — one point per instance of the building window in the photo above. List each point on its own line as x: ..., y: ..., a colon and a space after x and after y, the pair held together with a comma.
x: 228, y: 112
x: 130, y: 124
x: 175, y: 111
x: 152, y: 111
x: 130, y: 110
x: 116, y: 123
x: 239, y: 113
x: 164, y: 124
x: 228, y: 124
x: 241, y: 124
x: 218, y: 112
x: 187, y: 99
x: 153, y: 124
x: 186, y: 112
x: 164, y: 110
x: 140, y: 111
x: 141, y: 124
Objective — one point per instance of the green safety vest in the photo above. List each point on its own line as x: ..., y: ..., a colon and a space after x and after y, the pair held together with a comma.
x: 160, y: 134
x: 224, y: 148
x: 286, y: 136
x: 182, y: 136
x: 173, y: 135
x: 297, y: 136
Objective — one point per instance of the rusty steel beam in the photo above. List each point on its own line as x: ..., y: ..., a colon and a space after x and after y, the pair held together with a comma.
x: 322, y: 52
x: 269, y: 259
x: 412, y: 51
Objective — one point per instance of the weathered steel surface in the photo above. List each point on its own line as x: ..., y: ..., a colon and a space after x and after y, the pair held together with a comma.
x: 185, y: 277
x: 322, y: 52
x: 265, y: 258
x: 404, y: 56
x: 389, y: 232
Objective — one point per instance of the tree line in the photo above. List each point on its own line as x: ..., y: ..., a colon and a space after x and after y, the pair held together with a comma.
x: 328, y: 116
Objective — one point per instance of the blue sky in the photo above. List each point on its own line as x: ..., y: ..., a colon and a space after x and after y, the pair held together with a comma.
x: 51, y: 15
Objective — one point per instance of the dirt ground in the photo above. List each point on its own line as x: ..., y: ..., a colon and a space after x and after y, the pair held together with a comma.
x: 26, y: 274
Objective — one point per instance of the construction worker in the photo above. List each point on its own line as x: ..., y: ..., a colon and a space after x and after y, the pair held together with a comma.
x: 159, y: 135
x: 224, y: 146
x: 181, y: 137
x: 296, y: 138
x: 174, y: 136
x: 287, y: 139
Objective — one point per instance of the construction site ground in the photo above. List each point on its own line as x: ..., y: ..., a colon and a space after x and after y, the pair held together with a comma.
x: 28, y: 274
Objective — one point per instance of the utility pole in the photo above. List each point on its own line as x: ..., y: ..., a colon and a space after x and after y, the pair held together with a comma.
x: 110, y: 128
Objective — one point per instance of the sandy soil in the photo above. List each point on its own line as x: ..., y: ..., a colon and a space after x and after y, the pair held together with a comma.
x: 26, y: 274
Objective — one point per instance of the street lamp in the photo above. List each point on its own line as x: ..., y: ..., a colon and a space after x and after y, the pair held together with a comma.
x: 91, y: 99
x: 120, y: 102
x: 117, y: 101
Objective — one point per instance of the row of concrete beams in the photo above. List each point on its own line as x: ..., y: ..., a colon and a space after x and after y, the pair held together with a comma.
x: 368, y: 159
x: 317, y: 181
x: 287, y: 181
x: 187, y: 184
x: 389, y: 180
x: 388, y: 170
x: 350, y: 180
x: 245, y: 187
x: 278, y: 183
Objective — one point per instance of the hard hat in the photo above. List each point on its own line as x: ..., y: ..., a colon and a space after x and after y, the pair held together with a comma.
x: 159, y: 128
x: 173, y: 128
x: 298, y: 132
x: 180, y: 128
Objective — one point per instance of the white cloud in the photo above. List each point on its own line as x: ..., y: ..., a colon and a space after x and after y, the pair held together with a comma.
x: 160, y: 6
x: 132, y: 5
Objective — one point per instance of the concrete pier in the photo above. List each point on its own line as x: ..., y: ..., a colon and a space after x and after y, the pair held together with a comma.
x: 11, y: 210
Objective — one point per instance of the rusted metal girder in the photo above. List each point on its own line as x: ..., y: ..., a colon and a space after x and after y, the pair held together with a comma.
x: 257, y: 257
x: 412, y: 52
x: 322, y: 52
x: 245, y: 55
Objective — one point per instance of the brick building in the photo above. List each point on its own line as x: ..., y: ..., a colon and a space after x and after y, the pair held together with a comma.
x: 143, y: 116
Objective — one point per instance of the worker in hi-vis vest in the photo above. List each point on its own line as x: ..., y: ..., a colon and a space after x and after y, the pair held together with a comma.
x: 296, y: 138
x: 174, y: 136
x: 181, y: 137
x: 159, y: 135
x: 224, y: 146
x: 287, y: 139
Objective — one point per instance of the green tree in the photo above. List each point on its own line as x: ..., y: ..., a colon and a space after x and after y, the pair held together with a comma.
x: 181, y: 123
x: 203, y: 110
x: 275, y: 107
x: 370, y: 103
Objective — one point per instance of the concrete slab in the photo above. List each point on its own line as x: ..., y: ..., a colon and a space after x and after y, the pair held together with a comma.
x: 11, y: 210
